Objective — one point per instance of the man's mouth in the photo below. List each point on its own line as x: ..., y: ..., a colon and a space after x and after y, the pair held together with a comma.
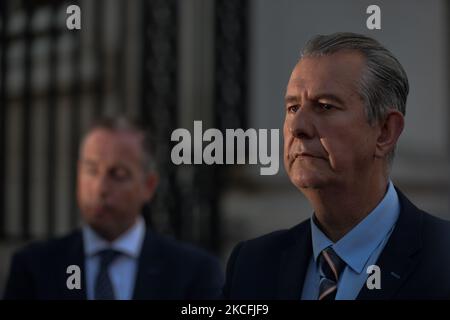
x: 304, y: 154
x: 102, y: 210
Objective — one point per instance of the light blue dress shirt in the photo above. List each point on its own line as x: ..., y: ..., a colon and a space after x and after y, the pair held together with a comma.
x: 122, y: 271
x: 359, y: 248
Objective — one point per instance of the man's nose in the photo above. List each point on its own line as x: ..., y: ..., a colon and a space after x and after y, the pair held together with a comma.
x: 302, y: 124
x: 102, y: 186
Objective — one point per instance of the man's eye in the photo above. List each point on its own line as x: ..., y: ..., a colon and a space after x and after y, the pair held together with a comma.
x: 326, y: 106
x: 120, y: 174
x: 292, y: 109
x: 90, y: 170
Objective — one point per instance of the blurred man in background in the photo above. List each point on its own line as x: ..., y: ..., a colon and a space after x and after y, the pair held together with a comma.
x: 345, y: 105
x: 119, y: 257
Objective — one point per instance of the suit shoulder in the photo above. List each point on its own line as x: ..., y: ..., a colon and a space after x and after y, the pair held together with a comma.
x: 436, y: 229
x: 435, y: 222
x: 273, y: 241
x: 48, y: 248
x: 181, y: 251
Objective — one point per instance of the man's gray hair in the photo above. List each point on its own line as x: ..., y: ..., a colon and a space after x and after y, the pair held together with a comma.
x: 384, y: 83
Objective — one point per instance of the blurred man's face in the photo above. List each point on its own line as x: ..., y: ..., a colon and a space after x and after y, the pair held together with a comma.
x: 327, y: 138
x: 112, y: 183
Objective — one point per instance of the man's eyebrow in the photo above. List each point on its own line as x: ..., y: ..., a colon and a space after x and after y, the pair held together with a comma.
x: 88, y: 162
x: 329, y: 96
x: 290, y: 98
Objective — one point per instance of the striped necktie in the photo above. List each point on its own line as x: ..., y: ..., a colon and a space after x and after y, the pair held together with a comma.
x: 330, y: 267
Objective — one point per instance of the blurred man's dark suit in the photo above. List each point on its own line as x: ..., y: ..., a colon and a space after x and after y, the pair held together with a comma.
x: 415, y: 263
x: 166, y: 270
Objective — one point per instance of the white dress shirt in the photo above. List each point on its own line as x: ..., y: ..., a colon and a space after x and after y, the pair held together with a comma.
x: 123, y: 269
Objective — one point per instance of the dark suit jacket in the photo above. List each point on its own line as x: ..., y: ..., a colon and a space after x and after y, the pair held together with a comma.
x: 166, y: 270
x: 415, y: 263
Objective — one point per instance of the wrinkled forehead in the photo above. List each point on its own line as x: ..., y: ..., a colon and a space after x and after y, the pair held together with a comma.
x: 337, y: 73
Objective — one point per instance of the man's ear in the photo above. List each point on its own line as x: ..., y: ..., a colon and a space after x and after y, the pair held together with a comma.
x: 151, y: 182
x: 390, y: 129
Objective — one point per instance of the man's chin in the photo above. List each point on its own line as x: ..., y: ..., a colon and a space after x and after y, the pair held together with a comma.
x: 103, y: 225
x: 107, y: 232
x: 308, y: 182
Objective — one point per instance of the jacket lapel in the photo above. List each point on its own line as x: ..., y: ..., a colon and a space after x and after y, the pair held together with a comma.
x: 148, y: 284
x: 294, y: 262
x: 398, y: 258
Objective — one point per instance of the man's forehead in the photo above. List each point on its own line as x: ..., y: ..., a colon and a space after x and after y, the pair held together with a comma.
x: 104, y: 140
x: 341, y: 62
x: 126, y: 136
x: 333, y: 90
x: 335, y: 74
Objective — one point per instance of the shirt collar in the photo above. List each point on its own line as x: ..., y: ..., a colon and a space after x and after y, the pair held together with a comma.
x: 129, y: 243
x: 356, y: 247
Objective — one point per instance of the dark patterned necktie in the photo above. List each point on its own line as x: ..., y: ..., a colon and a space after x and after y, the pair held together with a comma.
x: 330, y: 267
x: 103, y: 289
